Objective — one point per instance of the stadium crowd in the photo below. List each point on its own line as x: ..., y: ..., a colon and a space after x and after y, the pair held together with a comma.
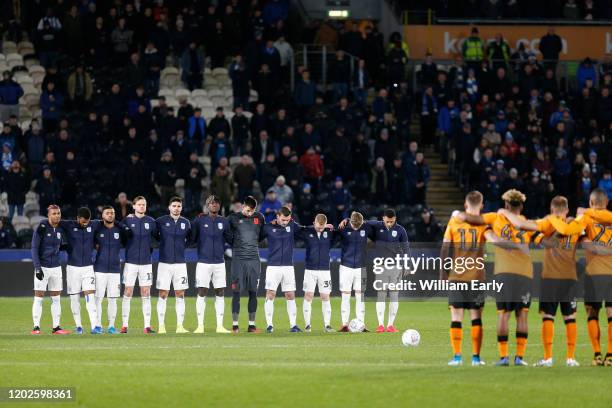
x: 107, y: 133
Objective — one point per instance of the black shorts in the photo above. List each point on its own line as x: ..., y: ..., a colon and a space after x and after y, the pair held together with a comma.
x: 598, y: 289
x: 515, y: 293
x: 556, y: 293
x: 245, y: 274
x: 466, y: 299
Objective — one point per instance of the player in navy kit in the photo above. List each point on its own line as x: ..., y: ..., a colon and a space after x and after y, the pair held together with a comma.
x: 174, y: 233
x: 208, y: 233
x: 109, y: 238
x: 46, y: 242
x: 138, y: 265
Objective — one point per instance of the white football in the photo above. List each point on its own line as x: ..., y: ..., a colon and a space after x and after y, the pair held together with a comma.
x: 411, y: 337
x: 356, y: 326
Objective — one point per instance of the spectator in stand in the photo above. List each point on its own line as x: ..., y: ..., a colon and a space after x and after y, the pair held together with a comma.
x: 498, y: 53
x: 270, y: 205
x: 429, y: 71
x: 305, y: 92
x: 361, y: 83
x: 313, y: 166
x: 586, y: 72
x: 165, y: 177
x: 10, y: 92
x: 52, y: 104
x: 419, y: 179
x: 429, y: 116
x: 240, y: 82
x: 340, y: 201
x: 427, y: 228
x: 473, y: 50
x: 268, y: 172
x: 6, y: 236
x: 123, y: 207
x: 282, y: 190
x: 306, y: 203
x: 193, y: 184
x: 222, y: 186
x: 396, y: 63
x: 571, y: 11
x: 379, y: 187
x: 606, y: 183
x: 192, y: 66
x: 48, y: 190
x: 244, y: 176
x: 16, y: 184
x: 80, y: 88
x: 550, y: 46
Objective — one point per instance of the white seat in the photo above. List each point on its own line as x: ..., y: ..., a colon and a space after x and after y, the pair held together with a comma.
x: 170, y: 80
x: 2, y: 57
x: 224, y: 81
x: 228, y: 92
x: 25, y: 79
x: 207, y: 71
x: 182, y: 92
x: 210, y: 81
x: 25, y: 44
x: 215, y: 92
x: 179, y: 183
x: 20, y: 219
x: 199, y: 93
x: 169, y: 71
x: 25, y: 125
x: 9, y: 47
x: 31, y: 209
x: 36, y: 68
x: 208, y: 113
x: 219, y: 71
x: 204, y: 103
x: 35, y: 220
x: 171, y: 101
x: 31, y: 62
x: 248, y: 114
x: 14, y: 56
x: 166, y: 92
x: 154, y: 103
x: 31, y: 196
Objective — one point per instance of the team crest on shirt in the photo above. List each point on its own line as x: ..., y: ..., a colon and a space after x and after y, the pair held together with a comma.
x: 88, y: 229
x: 348, y: 233
x: 116, y: 235
x: 362, y: 233
x: 324, y: 234
x: 59, y: 235
x: 220, y: 225
x: 273, y: 229
x: 240, y: 222
x: 76, y: 229
x: 102, y: 235
x: 394, y: 234
x: 382, y: 230
x: 182, y: 225
x: 311, y: 236
x: 134, y: 225
x: 146, y: 225
x: 255, y: 221
x: 205, y: 225
x: 167, y: 224
x: 288, y: 228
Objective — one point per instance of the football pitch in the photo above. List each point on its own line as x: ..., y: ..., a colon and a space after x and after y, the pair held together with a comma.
x: 292, y: 369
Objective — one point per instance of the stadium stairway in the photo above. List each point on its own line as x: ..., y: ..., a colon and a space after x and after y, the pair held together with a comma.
x: 443, y: 194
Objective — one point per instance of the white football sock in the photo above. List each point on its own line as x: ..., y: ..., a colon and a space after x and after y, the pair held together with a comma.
x: 180, y: 310
x: 345, y: 308
x: 90, y: 305
x: 99, y: 308
x: 56, y: 310
x: 327, y: 311
x: 380, y: 312
x: 37, y: 310
x: 269, y: 310
x: 112, y: 311
x: 292, y: 312
x: 393, y: 306
x: 125, y: 310
x: 146, y: 310
x: 307, y: 310
x: 219, y: 309
x: 75, y: 306
x: 161, y: 311
x: 200, y: 309
x: 360, y: 307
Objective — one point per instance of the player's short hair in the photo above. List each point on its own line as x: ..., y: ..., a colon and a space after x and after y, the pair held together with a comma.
x: 321, y: 219
x: 108, y: 207
x: 284, y: 211
x: 84, y: 212
x: 389, y: 213
x: 250, y: 202
x: 356, y: 218
x: 53, y: 207
x: 559, y: 203
x: 138, y: 198
x: 474, y: 198
x: 176, y: 199
x: 514, y: 198
x: 599, y: 197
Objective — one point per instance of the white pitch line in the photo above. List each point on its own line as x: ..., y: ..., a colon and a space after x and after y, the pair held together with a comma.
x: 221, y: 364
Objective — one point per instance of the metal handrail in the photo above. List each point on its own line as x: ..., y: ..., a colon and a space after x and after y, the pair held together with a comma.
x: 310, y: 54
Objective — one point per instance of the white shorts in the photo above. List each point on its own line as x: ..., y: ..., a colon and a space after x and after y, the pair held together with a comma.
x: 175, y: 274
x: 313, y: 278
x: 280, y: 275
x: 80, y: 279
x: 207, y: 272
x: 350, y: 279
x: 109, y: 283
x: 52, y: 280
x: 144, y: 273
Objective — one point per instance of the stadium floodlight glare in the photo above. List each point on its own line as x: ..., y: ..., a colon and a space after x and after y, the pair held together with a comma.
x: 338, y: 13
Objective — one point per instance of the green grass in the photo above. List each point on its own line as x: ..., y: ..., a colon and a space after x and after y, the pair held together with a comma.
x: 287, y: 369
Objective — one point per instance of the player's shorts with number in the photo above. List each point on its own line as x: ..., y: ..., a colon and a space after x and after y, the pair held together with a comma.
x: 312, y: 278
x: 109, y: 284
x: 349, y: 278
x: 80, y: 279
x: 205, y: 273
x: 280, y: 275
x: 144, y: 273
x: 52, y: 280
x: 175, y: 274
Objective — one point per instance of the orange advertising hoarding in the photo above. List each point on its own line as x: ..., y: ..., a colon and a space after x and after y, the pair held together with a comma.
x: 445, y: 41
